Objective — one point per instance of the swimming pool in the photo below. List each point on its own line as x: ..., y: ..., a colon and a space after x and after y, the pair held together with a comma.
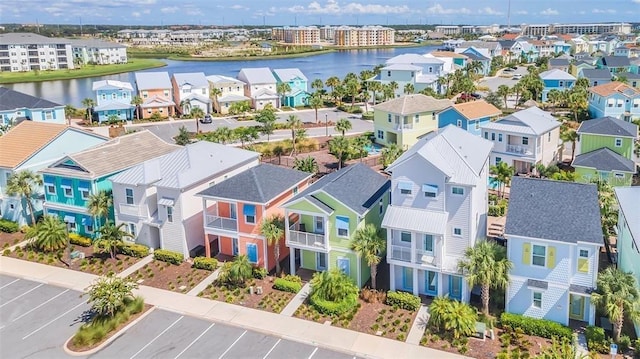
x: 373, y: 149
x: 494, y: 185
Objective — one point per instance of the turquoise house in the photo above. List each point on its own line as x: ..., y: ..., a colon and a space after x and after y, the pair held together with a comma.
x: 615, y: 99
x: 469, y: 115
x: 16, y: 106
x: 70, y: 181
x: 556, y: 80
x: 113, y: 98
x: 298, y: 96
x: 474, y: 55
x: 629, y: 233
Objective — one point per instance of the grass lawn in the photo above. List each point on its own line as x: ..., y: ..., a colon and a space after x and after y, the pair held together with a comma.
x: 134, y: 64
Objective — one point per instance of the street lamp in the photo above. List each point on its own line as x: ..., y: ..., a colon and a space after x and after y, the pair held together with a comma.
x: 326, y: 126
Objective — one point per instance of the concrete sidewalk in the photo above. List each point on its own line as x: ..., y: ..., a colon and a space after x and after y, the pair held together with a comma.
x: 296, y: 301
x: 419, y: 325
x: 329, y: 337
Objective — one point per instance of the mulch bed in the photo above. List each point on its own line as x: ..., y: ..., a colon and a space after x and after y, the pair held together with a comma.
x: 271, y: 300
x: 94, y: 263
x: 178, y: 278
x: 307, y: 312
x: 384, y: 320
x: 10, y: 239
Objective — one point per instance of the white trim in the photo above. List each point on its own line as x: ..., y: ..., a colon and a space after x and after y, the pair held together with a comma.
x: 533, y: 299
x: 546, y: 254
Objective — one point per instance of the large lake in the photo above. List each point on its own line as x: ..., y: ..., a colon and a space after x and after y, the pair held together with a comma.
x: 323, y: 66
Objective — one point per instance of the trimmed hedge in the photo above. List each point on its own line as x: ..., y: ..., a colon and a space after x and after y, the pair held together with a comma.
x: 134, y: 250
x: 168, y: 256
x: 403, y: 300
x: 597, y: 340
x: 286, y: 285
x: 8, y: 226
x: 205, y: 263
x: 79, y: 240
x: 538, y: 327
x: 327, y: 307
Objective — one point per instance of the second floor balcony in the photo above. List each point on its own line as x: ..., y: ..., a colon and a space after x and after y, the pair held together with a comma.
x: 214, y: 221
x: 519, y: 150
x: 298, y: 235
x: 133, y: 210
x: 403, y: 126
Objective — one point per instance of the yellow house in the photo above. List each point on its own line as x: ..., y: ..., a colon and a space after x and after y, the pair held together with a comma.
x: 405, y: 119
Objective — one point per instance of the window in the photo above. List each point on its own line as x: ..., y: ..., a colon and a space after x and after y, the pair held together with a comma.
x: 493, y: 136
x: 498, y: 160
x: 457, y: 232
x: 430, y: 190
x: 342, y: 226
x: 249, y: 212
x: 417, y: 118
x: 457, y: 190
x: 88, y: 228
x: 132, y: 229
x: 539, y: 256
x: 477, y: 125
x: 459, y: 123
x: 170, y: 214
x: 525, y: 140
x: 128, y: 193
x: 618, y: 142
x: 618, y: 175
x: 561, y: 84
x: 50, y: 188
x: 84, y: 193
x: 428, y: 243
x: 388, y: 73
x: 537, y: 300
x: 405, y: 237
x: 380, y: 206
x: 72, y: 227
x: 114, y: 96
x: 321, y: 261
x: 295, y: 190
x: 388, y: 117
x: 344, y: 265
x: 405, y: 187
x: 380, y: 134
x: 68, y: 192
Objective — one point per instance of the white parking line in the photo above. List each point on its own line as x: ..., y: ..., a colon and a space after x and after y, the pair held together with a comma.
x: 10, y: 283
x: 270, y: 350
x: 23, y: 294
x: 66, y: 290
x: 313, y: 353
x: 53, y: 320
x: 194, y: 341
x: 234, y: 343
x: 156, y: 338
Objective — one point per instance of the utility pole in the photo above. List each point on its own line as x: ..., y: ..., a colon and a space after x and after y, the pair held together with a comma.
x: 509, y: 15
x: 81, y: 26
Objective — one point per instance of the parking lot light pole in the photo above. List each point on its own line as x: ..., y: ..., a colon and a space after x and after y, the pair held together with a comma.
x: 326, y: 125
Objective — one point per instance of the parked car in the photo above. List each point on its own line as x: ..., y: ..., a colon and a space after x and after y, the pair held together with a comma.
x: 517, y: 76
x: 207, y: 119
x: 469, y: 96
x: 508, y: 69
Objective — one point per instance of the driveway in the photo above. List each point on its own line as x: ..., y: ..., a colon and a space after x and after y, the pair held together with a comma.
x: 494, y: 82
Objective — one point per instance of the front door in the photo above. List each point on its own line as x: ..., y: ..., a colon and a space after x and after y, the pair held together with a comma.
x: 321, y: 261
x: 455, y: 287
x: 233, y: 211
x: 407, y: 279
x: 576, y: 307
x: 234, y: 246
x: 343, y: 265
x: 431, y: 283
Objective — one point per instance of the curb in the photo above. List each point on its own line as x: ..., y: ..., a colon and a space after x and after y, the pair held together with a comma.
x: 108, y: 341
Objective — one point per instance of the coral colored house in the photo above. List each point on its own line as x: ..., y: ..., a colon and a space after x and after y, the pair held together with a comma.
x: 235, y: 208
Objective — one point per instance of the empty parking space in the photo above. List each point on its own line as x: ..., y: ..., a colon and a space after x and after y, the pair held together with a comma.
x: 289, y: 349
x: 40, y: 296
x: 328, y: 354
x: 16, y: 290
x: 5, y: 280
x: 251, y: 345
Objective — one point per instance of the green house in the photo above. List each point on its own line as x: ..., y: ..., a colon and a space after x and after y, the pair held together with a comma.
x: 606, y: 150
x: 322, y: 219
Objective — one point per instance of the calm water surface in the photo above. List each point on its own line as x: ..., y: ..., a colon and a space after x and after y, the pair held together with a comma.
x: 323, y: 66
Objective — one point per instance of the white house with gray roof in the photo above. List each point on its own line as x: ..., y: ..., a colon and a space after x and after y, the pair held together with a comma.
x: 438, y: 210
x: 156, y: 198
x: 260, y: 87
x: 524, y: 139
x: 554, y: 236
x: 628, y: 243
x: 230, y: 91
x: 420, y: 71
x: 191, y: 90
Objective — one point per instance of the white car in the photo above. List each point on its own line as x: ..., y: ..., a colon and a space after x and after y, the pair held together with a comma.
x: 517, y: 76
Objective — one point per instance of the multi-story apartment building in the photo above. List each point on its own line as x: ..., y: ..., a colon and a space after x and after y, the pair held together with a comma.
x: 98, y: 52
x: 27, y: 52
x: 300, y: 35
x: 350, y: 36
x: 580, y: 29
x: 438, y: 210
x: 467, y: 29
x: 327, y: 33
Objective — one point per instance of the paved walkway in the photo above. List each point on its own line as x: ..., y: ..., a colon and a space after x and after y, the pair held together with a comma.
x: 419, y: 325
x: 296, y: 301
x: 139, y: 264
x: 205, y: 283
x: 21, y: 244
x: 304, y: 331
x: 581, y: 346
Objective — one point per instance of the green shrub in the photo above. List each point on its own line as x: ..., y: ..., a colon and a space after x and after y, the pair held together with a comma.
x: 286, y: 286
x: 624, y: 343
x: 79, y: 240
x: 134, y: 250
x: 8, y: 226
x: 293, y: 278
x: 205, y: 263
x: 259, y: 272
x: 538, y: 327
x: 330, y: 308
x: 168, y: 256
x: 403, y: 300
x: 596, y: 339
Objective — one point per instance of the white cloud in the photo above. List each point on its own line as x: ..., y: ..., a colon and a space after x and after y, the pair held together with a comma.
x: 333, y: 7
x: 238, y: 7
x: 582, y: 12
x: 603, y: 11
x: 169, y: 9
x: 549, y: 12
x: 489, y: 11
x: 136, y: 14
x: 522, y: 12
x: 439, y: 10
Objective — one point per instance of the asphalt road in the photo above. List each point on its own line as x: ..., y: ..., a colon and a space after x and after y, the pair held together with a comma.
x: 36, y: 319
x: 494, y: 82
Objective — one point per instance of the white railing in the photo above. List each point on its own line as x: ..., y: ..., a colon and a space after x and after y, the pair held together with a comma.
x: 522, y: 150
x: 400, y: 253
x: 404, y: 126
x: 217, y: 222
x: 424, y: 257
x: 132, y: 210
x: 297, y: 237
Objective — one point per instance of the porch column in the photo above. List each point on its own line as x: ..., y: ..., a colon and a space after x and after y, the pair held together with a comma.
x: 414, y: 245
x: 416, y: 289
x: 592, y: 313
x: 441, y: 290
x: 292, y: 260
x: 207, y: 246
x: 392, y: 276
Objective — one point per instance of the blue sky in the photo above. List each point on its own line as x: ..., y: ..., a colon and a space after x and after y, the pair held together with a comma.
x: 305, y: 12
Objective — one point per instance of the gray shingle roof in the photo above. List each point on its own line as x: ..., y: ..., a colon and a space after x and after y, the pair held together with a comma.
x: 259, y: 75
x: 11, y: 100
x: 152, y: 80
x: 628, y: 75
x: 24, y: 38
x: 616, y: 61
x: 260, y: 184
x: 604, y: 159
x: 609, y: 126
x: 554, y: 210
x: 596, y: 74
x: 356, y: 186
x: 186, y: 165
x: 559, y: 62
x: 628, y: 202
x: 195, y: 79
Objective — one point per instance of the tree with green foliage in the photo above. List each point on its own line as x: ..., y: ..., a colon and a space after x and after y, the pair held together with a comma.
x: 578, y: 101
x: 568, y: 134
x: 504, y: 91
x: 239, y: 107
x: 110, y: 238
x: 237, y: 272
x: 332, y: 285
x: 368, y: 244
x: 502, y: 174
x: 387, y: 92
x: 267, y: 119
x: 343, y: 125
x: 183, y: 137
x: 333, y: 82
x: 272, y: 229
x: 99, y: 206
x: 89, y: 104
x: 360, y: 146
x: 409, y: 89
x: 306, y: 164
x: 494, y: 99
x: 353, y: 89
x: 185, y: 107
x: 340, y: 148
x: 69, y: 111
x: 487, y: 266
x: 317, y: 84
x: 24, y: 184
x: 278, y: 151
x: 452, y: 317
x: 282, y: 89
x: 608, y: 206
x: 222, y: 135
x: 109, y: 295
x: 137, y: 101
x: 566, y: 176
x: 375, y: 87
x: 246, y: 134
x: 316, y: 101
x: 214, y: 93
x: 390, y: 153
x: 197, y: 113
x: 617, y: 296
x: 554, y: 97
x: 48, y: 235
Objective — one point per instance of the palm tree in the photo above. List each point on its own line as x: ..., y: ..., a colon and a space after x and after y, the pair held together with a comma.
x: 617, y: 295
x: 577, y: 102
x: 99, y: 205
x: 111, y: 237
x: 278, y: 151
x: 486, y: 265
x: 293, y: 123
x: 197, y: 113
x: 222, y: 135
x: 502, y: 173
x: 137, y: 101
x: 568, y: 134
x: 332, y: 82
x: 375, y: 87
x: 394, y: 86
x: 316, y: 101
x: 368, y: 244
x: 307, y: 164
x: 504, y: 91
x: 237, y: 272
x: 343, y: 125
x: 272, y: 229
x: 317, y: 84
x: 333, y: 285
x: 353, y: 90
x: 69, y: 111
x: 49, y: 235
x: 214, y: 93
x: 24, y: 184
x: 409, y: 89
x: 340, y: 148
x: 185, y: 107
x: 389, y: 154
x: 387, y: 92
x: 246, y: 134
x: 182, y: 138
x: 452, y: 316
x: 554, y: 97
x: 282, y: 88
x: 89, y: 104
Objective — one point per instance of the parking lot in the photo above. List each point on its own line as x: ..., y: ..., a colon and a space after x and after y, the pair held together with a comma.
x: 36, y: 319
x: 494, y: 82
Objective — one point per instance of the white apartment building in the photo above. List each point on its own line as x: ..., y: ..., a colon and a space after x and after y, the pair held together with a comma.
x: 98, y: 52
x: 580, y: 29
x: 26, y: 52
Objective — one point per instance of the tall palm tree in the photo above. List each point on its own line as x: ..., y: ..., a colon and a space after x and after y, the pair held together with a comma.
x: 99, y: 206
x: 111, y: 237
x: 577, y: 102
x: 502, y: 173
x: 272, y: 229
x: 332, y: 82
x: 375, y: 87
x: 394, y: 86
x: 353, y: 89
x: 293, y: 123
x: 387, y: 92
x: 368, y: 244
x: 504, y: 91
x: 49, y: 235
x: 317, y: 84
x: 569, y: 135
x: 340, y: 148
x: 185, y: 107
x: 25, y: 184
x: 486, y: 265
x: 409, y: 89
x: 197, y: 113
x: 618, y: 296
x: 282, y: 88
x: 554, y: 97
x: 316, y: 101
x: 343, y: 125
x: 307, y: 164
x: 214, y: 93
x: 137, y: 101
x: 390, y: 153
x: 89, y: 104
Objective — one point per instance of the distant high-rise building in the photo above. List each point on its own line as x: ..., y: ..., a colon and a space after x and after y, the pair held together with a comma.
x: 299, y: 35
x: 364, y: 36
